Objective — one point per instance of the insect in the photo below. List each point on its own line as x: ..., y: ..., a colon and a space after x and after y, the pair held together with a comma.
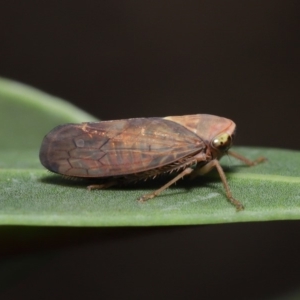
x: 122, y: 151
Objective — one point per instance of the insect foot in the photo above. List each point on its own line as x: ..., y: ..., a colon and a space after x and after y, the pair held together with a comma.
x: 95, y: 187
x: 238, y: 205
x: 146, y: 197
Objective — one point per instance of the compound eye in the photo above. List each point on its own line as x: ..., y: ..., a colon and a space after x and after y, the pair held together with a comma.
x: 222, y: 142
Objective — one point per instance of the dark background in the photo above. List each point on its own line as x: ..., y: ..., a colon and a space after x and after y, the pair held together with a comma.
x: 121, y: 59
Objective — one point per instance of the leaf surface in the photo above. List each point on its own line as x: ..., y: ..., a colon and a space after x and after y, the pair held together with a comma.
x: 30, y: 195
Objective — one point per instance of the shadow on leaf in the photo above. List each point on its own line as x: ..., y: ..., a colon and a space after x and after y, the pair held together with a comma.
x: 159, y: 181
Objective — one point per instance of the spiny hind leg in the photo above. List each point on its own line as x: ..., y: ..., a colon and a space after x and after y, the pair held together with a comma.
x: 146, y: 197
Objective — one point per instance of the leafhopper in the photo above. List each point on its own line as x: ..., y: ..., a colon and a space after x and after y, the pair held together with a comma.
x: 122, y: 151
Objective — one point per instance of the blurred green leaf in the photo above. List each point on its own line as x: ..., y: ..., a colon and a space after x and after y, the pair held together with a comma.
x: 30, y: 195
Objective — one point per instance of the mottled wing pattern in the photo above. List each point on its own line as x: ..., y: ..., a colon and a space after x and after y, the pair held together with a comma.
x: 113, y: 148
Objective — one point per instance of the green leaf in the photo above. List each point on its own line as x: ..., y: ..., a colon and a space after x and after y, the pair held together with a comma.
x: 30, y: 195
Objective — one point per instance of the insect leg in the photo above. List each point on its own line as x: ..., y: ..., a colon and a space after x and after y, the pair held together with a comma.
x: 102, y: 186
x: 185, y: 172
x: 246, y: 160
x: 215, y: 164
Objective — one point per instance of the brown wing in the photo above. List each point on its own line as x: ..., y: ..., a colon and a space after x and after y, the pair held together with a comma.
x: 120, y: 147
